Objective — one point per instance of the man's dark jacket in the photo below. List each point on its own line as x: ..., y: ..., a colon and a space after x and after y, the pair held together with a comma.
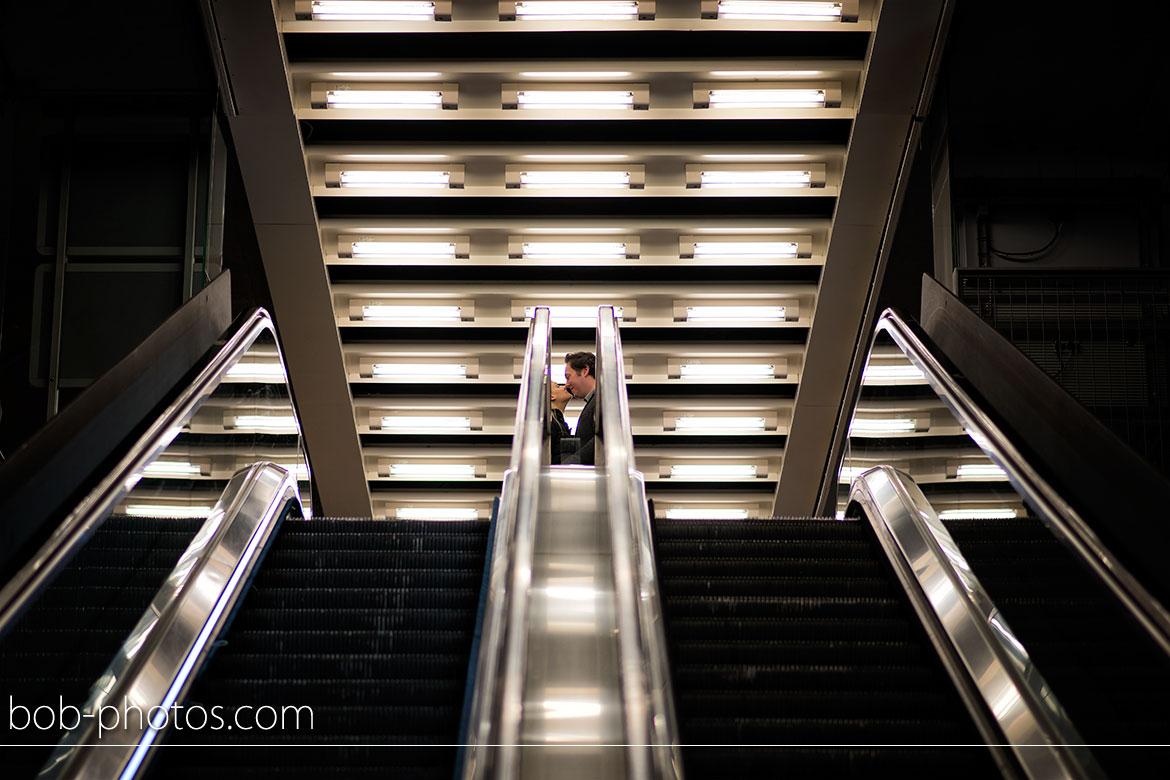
x: 586, y: 431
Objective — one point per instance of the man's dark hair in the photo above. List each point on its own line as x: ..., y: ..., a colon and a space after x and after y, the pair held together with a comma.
x: 581, y: 360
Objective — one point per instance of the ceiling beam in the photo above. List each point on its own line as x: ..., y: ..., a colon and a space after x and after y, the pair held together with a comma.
x: 897, y: 83
x: 252, y: 65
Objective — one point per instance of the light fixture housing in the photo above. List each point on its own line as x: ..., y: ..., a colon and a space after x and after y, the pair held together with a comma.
x: 715, y: 513
x: 268, y: 372
x: 766, y: 95
x: 172, y: 469
x: 575, y: 10
x: 373, y: 10
x: 431, y: 423
x: 725, y: 370
x: 436, y: 513
x: 569, y: 177
x: 892, y: 374
x: 732, y: 314
x: 394, y: 176
x: 419, y: 372
x: 414, y: 311
x: 384, y: 96
x: 403, y: 247
x: 885, y: 426
x: 575, y: 97
x: 713, y: 471
x: 784, y: 176
x: 432, y: 470
x: 168, y: 510
x: 988, y: 513
x: 744, y: 248
x: 780, y: 10
x: 264, y: 423
x: 572, y: 315
x: 571, y: 248
x: 980, y: 471
x: 708, y: 423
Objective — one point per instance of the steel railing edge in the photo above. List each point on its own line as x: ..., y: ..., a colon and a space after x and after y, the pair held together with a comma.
x: 175, y: 634
x: 1034, y: 726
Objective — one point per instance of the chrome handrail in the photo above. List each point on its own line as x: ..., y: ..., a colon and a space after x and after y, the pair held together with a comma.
x: 964, y: 624
x: 89, y: 514
x: 1052, y: 510
x: 650, y: 723
x: 497, y: 701
x: 161, y: 657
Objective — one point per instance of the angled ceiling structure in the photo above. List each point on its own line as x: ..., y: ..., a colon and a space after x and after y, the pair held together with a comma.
x: 468, y: 161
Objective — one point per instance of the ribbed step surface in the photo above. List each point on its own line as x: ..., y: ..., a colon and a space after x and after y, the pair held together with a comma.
x: 1108, y: 675
x: 795, y: 632
x: 368, y: 625
x: 64, y: 642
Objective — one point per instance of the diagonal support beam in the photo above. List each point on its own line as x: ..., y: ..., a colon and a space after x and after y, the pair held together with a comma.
x: 252, y: 66
x: 897, y: 84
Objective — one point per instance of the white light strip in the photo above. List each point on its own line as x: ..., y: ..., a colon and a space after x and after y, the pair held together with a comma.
x: 429, y: 423
x: 373, y: 10
x: 757, y: 178
x: 562, y: 314
x: 581, y: 75
x: 260, y: 372
x: 412, y: 179
x: 163, y: 510
x: 571, y: 178
x: 720, y: 423
x: 990, y: 513
x: 436, y: 513
x: 384, y: 98
x: 897, y: 425
x: 780, y: 9
x: 267, y: 423
x: 432, y: 470
x: 980, y: 471
x: 706, y: 514
x: 766, y: 98
x: 420, y: 370
x: 429, y: 249
x: 746, y: 248
x: 711, y: 471
x: 582, y: 10
x: 735, y: 313
x: 170, y: 468
x: 583, y: 100
x: 727, y: 371
x: 552, y: 249
x: 393, y: 312
x: 898, y: 373
x: 298, y: 470
x: 850, y: 473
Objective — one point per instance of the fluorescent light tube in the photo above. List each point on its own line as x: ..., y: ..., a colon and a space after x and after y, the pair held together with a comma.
x: 980, y: 471
x: 733, y: 313
x: 780, y: 9
x: 990, y: 513
x: 170, y: 468
x: 373, y: 10
x: 565, y: 313
x: 554, y: 249
x: 711, y: 471
x: 897, y: 425
x: 267, y: 423
x: 572, y: 178
x: 720, y: 423
x: 766, y: 98
x: 430, y: 249
x: 896, y: 373
x: 426, y: 371
x: 432, y: 470
x: 727, y: 371
x: 746, y: 248
x: 757, y: 178
x: 582, y: 10
x: 384, y: 98
x: 706, y: 514
x: 395, y: 312
x: 580, y: 75
x: 299, y: 470
x: 850, y: 473
x: 583, y: 100
x: 257, y: 372
x: 427, y: 422
x: 436, y: 513
x: 411, y: 179
x: 164, y: 510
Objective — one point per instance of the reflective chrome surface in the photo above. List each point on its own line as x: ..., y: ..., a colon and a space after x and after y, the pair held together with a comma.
x: 1033, y: 723
x: 168, y: 436
x: 497, y: 702
x: 650, y: 727
x: 157, y: 663
x: 1015, y: 486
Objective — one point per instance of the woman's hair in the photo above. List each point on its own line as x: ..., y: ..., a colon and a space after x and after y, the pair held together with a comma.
x: 578, y: 361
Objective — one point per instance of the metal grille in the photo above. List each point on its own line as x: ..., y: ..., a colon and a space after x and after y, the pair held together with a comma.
x: 1103, y: 336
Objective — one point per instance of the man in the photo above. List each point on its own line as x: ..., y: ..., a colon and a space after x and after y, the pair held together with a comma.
x: 580, y: 382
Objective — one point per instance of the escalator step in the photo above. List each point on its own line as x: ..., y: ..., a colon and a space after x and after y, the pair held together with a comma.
x: 364, y: 559
x: 780, y: 585
x: 362, y: 598
x: 318, y: 640
x: 358, y: 619
x: 406, y: 577
x: 758, y: 652
x: 794, y: 530
x: 670, y: 567
x: 366, y: 666
x: 836, y: 608
x: 697, y: 678
x: 822, y: 629
x: 813, y: 703
x: 762, y: 548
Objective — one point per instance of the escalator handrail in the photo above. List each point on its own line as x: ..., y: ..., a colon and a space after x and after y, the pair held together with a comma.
x: 991, y: 668
x: 1037, y: 492
x: 163, y: 654
x: 89, y: 514
x: 497, y: 702
x: 650, y: 723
